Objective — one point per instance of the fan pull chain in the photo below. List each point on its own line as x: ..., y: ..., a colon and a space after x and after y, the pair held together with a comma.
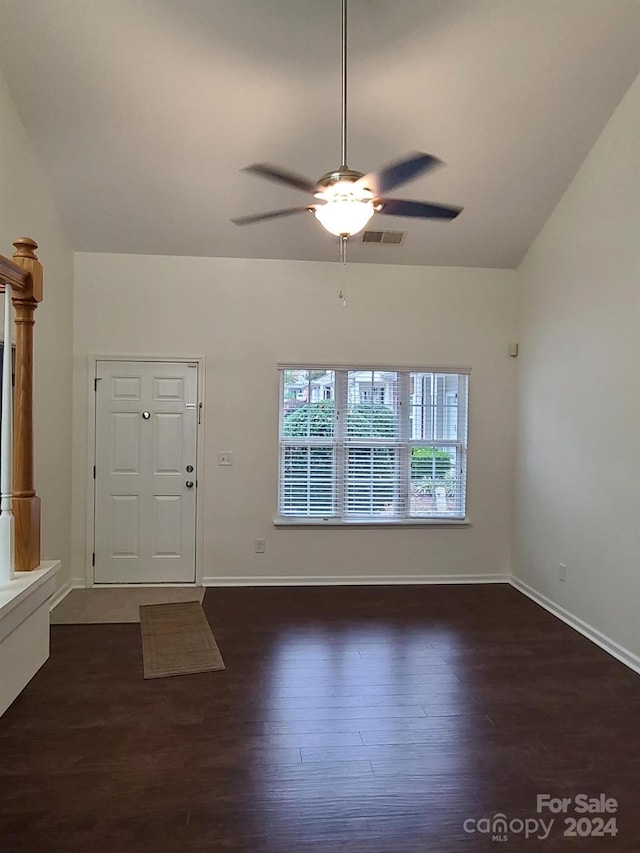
x: 342, y: 293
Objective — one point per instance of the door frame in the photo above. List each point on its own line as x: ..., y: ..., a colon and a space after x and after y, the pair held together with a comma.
x: 93, y: 360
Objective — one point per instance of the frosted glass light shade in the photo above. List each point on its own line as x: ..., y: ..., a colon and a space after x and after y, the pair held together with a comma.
x: 346, y: 210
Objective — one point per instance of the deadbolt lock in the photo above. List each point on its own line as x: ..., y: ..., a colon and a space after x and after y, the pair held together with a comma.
x: 189, y: 469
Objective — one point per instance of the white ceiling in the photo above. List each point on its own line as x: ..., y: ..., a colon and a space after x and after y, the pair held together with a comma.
x: 144, y: 112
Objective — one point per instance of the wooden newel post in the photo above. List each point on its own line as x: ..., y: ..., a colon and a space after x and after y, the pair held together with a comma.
x: 26, y: 504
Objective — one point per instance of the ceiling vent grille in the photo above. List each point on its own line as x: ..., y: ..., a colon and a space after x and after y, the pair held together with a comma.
x: 389, y: 238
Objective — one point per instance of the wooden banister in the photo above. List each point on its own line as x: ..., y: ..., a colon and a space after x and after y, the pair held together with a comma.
x: 24, y: 275
x: 12, y: 275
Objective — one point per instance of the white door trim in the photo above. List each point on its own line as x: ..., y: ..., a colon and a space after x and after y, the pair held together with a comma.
x: 93, y: 359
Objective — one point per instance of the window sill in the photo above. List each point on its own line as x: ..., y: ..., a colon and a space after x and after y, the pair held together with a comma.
x: 285, y: 521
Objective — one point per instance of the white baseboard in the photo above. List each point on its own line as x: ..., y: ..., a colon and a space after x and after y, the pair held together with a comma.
x: 606, y: 643
x: 140, y: 586
x: 61, y: 593
x: 353, y: 580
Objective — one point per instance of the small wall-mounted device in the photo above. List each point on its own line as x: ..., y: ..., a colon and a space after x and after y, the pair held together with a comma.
x: 512, y: 350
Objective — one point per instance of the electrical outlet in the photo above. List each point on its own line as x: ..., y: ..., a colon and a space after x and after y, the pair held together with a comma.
x: 225, y: 457
x: 562, y: 572
x: 258, y: 546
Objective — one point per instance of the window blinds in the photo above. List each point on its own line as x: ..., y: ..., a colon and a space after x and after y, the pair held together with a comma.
x: 372, y: 443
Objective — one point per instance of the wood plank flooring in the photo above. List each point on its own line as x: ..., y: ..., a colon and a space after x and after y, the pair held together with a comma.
x: 375, y: 719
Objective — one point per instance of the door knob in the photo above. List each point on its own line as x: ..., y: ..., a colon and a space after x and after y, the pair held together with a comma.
x: 189, y: 484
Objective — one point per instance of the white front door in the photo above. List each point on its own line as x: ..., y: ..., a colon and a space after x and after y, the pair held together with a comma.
x: 145, y: 494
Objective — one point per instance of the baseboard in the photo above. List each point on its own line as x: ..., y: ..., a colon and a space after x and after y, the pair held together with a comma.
x: 141, y: 586
x: 61, y: 593
x: 353, y: 580
x: 606, y: 643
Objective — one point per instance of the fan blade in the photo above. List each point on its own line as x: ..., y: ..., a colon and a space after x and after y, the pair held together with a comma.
x: 399, y: 173
x: 423, y: 209
x: 275, y: 173
x: 272, y: 214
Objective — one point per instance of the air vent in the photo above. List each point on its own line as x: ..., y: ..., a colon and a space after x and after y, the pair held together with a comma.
x: 393, y: 238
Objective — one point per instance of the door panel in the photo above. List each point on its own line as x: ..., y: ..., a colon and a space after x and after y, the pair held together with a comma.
x: 125, y: 388
x: 146, y: 431
x: 167, y: 518
x: 167, y: 443
x: 124, y: 522
x: 126, y: 447
x: 168, y: 388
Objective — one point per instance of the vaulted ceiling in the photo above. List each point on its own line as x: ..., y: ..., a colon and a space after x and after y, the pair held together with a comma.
x: 143, y: 113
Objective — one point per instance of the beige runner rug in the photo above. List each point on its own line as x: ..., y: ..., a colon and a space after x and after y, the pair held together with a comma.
x: 177, y: 640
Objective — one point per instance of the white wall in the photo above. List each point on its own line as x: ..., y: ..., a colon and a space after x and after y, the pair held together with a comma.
x: 27, y: 209
x: 578, y: 457
x: 247, y: 315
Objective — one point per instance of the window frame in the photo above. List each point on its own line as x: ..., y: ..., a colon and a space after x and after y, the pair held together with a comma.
x: 403, y: 443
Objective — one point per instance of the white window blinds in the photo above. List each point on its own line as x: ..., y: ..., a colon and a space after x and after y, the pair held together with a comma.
x: 372, y: 444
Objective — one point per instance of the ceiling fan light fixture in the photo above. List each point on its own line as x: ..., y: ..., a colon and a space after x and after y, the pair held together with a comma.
x: 346, y: 210
x: 348, y: 199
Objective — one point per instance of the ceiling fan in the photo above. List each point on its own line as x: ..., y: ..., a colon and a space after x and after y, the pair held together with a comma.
x: 346, y: 199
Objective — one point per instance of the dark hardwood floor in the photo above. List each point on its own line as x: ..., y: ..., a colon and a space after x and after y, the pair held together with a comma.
x: 370, y: 719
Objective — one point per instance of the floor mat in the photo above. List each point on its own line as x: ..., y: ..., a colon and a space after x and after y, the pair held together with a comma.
x: 177, y: 640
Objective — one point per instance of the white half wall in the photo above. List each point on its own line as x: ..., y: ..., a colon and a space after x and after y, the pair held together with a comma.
x: 24, y: 628
x: 578, y: 450
x: 245, y: 316
x: 27, y: 209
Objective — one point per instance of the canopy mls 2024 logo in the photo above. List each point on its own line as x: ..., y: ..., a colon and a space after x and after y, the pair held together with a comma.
x: 580, y: 816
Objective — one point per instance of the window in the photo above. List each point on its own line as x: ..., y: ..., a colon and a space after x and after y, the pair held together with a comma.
x: 372, y: 444
x: 372, y: 394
